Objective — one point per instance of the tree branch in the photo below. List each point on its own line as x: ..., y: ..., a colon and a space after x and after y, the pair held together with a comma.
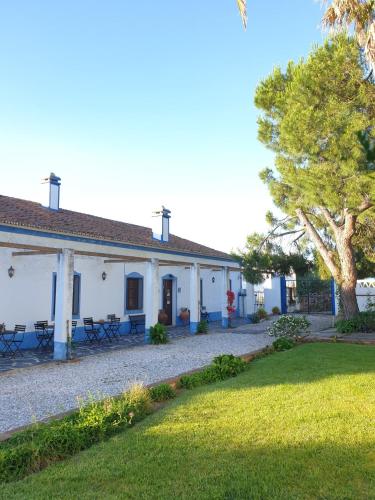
x: 365, y: 205
x: 281, y: 223
x: 316, y: 238
x: 331, y: 221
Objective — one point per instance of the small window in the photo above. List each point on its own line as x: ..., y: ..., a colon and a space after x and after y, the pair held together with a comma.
x: 76, y: 294
x: 134, y: 294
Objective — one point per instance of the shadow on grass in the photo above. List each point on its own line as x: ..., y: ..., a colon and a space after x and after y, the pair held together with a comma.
x: 223, y: 442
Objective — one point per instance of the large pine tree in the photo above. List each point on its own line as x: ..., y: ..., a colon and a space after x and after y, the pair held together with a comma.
x: 318, y: 116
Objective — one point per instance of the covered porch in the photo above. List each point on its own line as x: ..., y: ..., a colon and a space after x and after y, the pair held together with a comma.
x: 157, y: 266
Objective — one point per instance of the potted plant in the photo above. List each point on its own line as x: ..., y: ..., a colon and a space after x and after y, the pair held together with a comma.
x: 162, y: 317
x: 230, y: 306
x: 184, y: 315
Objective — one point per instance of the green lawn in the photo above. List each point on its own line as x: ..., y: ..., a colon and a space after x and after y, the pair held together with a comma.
x: 298, y: 424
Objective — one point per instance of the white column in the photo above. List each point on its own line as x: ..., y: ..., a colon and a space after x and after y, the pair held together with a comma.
x: 152, y: 296
x: 224, y: 299
x: 194, y: 297
x: 64, y: 303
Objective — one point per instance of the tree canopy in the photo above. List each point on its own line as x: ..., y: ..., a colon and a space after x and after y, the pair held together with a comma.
x: 318, y: 117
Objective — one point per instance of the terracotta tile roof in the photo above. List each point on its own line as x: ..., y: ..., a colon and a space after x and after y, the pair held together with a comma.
x: 32, y: 215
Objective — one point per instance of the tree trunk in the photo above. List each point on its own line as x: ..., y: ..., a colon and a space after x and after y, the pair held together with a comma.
x: 349, y: 300
x: 345, y: 274
x: 348, y: 267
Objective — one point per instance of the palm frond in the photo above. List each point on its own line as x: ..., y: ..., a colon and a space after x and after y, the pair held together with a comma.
x: 360, y: 14
x: 243, y: 11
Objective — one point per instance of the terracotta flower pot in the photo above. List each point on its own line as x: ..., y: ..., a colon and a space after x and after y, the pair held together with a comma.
x: 162, y: 317
x: 184, y: 315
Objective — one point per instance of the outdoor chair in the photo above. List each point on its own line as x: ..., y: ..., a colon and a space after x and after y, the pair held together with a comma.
x: 74, y: 326
x: 114, y: 325
x: 44, y: 334
x: 11, y: 341
x: 205, y: 316
x: 91, y: 332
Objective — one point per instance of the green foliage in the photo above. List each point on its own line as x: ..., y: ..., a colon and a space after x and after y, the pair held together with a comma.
x: 295, y: 426
x: 262, y: 256
x: 364, y: 322
x: 158, y: 334
x: 318, y: 117
x: 203, y: 326
x: 261, y: 313
x: 276, y: 310
x: 221, y: 368
x: 283, y: 344
x: 289, y: 326
x: 31, y: 450
x: 162, y: 392
x: 254, y: 318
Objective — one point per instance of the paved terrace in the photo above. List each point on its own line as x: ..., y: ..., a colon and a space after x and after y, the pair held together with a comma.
x: 46, y: 389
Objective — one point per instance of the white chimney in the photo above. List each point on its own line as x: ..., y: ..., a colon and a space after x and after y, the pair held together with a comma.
x: 165, y: 216
x: 54, y: 191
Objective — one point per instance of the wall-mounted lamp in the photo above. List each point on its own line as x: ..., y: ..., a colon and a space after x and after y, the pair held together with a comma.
x: 213, y: 279
x: 104, y: 275
x: 11, y: 272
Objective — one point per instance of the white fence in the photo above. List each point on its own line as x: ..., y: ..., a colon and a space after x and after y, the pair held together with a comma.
x: 365, y: 293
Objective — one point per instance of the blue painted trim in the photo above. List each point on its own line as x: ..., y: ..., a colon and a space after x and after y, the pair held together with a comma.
x: 284, y: 305
x: 60, y: 351
x: 53, y: 298
x: 193, y: 327
x: 42, y: 234
x: 225, y: 322
x: 138, y: 276
x: 333, y: 297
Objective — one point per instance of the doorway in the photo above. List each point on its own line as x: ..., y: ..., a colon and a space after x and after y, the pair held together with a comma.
x: 168, y: 300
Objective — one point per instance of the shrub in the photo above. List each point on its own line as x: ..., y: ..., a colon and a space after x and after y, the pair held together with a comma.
x: 158, y: 334
x: 283, y: 344
x: 162, y: 392
x: 275, y: 310
x: 289, y: 326
x: 31, y: 450
x: 364, y: 322
x: 262, y: 313
x: 254, y: 318
x: 203, y: 326
x: 222, y: 367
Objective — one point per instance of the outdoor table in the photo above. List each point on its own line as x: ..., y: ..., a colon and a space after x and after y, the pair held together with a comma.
x: 105, y: 325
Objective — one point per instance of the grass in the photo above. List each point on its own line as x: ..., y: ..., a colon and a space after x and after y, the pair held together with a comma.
x: 296, y: 425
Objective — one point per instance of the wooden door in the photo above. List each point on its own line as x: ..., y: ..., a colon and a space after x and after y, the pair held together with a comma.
x: 167, y: 300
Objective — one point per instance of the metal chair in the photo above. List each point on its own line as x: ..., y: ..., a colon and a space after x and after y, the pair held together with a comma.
x: 205, y: 316
x: 44, y: 334
x: 114, y: 326
x: 74, y: 326
x: 92, y: 334
x: 12, y: 340
x: 18, y: 339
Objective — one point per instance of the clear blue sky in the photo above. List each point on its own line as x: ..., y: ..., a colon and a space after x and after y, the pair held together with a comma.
x: 141, y: 103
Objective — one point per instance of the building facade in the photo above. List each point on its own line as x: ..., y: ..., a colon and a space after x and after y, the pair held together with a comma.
x: 58, y: 265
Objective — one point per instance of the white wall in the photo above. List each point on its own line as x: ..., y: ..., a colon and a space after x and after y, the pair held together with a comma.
x: 27, y: 297
x: 272, y: 294
x: 365, y: 291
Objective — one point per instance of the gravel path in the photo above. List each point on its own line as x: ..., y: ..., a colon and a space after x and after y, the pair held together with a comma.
x: 35, y: 393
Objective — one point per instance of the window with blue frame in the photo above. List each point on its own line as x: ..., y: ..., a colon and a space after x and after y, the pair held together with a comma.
x: 76, y: 295
x: 134, y: 292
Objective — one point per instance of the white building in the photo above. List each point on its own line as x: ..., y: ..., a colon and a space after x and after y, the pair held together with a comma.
x: 51, y: 258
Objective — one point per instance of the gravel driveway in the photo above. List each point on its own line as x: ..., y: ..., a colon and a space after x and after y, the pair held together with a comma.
x: 31, y: 394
